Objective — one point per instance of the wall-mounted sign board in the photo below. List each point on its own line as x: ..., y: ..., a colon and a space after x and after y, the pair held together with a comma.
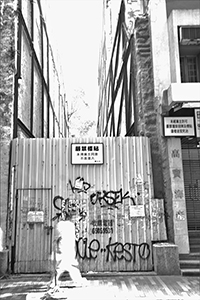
x: 87, y: 154
x: 197, y: 121
x: 137, y: 211
x: 35, y: 217
x: 179, y: 126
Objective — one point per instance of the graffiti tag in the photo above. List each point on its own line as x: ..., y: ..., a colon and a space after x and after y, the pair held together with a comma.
x: 80, y: 186
x: 113, y: 251
x: 67, y: 206
x: 110, y: 199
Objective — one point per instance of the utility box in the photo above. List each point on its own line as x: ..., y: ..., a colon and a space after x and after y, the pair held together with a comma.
x: 3, y: 262
x: 166, y: 259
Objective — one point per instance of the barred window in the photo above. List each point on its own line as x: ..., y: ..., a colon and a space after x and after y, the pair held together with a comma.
x: 189, y: 69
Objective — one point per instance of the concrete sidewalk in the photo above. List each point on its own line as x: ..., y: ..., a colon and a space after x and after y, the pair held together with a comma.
x: 110, y: 287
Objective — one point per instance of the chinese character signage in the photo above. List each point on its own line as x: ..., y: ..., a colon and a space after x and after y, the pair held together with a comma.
x: 87, y: 154
x: 179, y: 126
x: 35, y: 217
x: 137, y: 211
x: 197, y: 121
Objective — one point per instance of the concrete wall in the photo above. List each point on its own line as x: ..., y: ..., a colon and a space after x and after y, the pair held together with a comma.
x: 152, y: 77
x: 164, y: 44
x: 7, y: 55
x: 178, y: 195
x: 162, y: 79
x: 179, y: 18
x: 181, y: 5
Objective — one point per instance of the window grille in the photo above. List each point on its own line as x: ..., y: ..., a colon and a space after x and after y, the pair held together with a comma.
x: 189, y: 33
x: 189, y: 72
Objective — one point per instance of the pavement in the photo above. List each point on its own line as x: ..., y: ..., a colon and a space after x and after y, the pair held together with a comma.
x: 120, y: 286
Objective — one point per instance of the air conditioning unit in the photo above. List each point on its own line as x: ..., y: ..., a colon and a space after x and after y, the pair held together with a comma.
x: 189, y: 35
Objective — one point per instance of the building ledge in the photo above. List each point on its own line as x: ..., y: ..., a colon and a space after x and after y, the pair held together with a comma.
x: 186, y: 94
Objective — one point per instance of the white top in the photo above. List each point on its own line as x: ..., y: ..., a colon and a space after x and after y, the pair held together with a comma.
x: 65, y: 235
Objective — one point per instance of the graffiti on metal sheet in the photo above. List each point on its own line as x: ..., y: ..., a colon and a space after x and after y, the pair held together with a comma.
x: 68, y: 206
x: 74, y: 204
x: 110, y: 199
x: 80, y: 185
x: 102, y: 226
x: 81, y: 193
x: 113, y: 251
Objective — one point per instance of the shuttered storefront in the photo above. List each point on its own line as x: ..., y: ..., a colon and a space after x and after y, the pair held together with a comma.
x: 191, y: 168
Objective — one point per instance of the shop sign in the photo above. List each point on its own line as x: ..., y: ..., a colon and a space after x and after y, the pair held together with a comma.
x: 179, y: 126
x: 197, y: 121
x: 87, y: 154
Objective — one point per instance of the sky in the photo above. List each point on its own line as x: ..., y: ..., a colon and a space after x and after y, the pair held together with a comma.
x: 76, y: 28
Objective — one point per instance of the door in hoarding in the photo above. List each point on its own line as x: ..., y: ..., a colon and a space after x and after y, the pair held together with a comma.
x: 33, y: 232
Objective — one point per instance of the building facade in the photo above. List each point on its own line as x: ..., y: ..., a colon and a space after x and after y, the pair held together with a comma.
x: 150, y: 86
x: 32, y: 94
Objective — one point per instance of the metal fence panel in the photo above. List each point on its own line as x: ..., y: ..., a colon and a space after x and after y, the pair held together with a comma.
x: 112, y: 204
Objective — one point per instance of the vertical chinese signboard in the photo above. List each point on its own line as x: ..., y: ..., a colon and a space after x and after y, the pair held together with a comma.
x: 179, y: 126
x: 197, y: 122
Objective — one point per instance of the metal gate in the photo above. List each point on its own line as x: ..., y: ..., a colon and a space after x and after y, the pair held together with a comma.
x: 106, y: 184
x: 33, y: 238
x: 191, y: 167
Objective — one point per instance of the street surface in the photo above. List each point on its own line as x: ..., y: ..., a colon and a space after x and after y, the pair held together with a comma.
x: 111, y: 287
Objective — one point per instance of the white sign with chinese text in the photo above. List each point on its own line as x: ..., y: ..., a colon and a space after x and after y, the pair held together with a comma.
x: 35, y: 217
x: 87, y: 154
x: 179, y: 126
x: 137, y: 211
x: 197, y: 122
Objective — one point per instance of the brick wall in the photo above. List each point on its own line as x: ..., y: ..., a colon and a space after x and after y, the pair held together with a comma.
x: 146, y: 105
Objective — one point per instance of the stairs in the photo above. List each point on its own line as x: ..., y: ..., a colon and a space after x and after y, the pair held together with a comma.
x: 190, y: 263
x: 194, y: 240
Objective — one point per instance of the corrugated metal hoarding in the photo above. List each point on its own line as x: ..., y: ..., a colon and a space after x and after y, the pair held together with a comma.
x: 106, y: 184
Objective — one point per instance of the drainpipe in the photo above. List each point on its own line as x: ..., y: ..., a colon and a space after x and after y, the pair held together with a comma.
x: 18, y: 68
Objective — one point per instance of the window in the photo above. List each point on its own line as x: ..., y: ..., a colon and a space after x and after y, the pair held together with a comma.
x: 189, y: 34
x: 189, y: 49
x: 189, y: 69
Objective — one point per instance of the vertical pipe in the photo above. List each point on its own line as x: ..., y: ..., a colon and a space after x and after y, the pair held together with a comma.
x: 42, y: 62
x: 18, y: 73
x: 48, y: 100
x: 32, y: 68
